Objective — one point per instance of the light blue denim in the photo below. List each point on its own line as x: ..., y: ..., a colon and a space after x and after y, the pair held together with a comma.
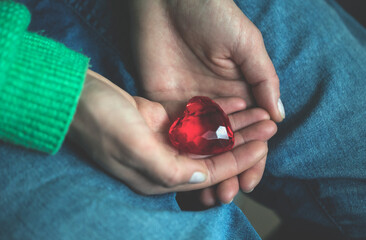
x: 316, y: 169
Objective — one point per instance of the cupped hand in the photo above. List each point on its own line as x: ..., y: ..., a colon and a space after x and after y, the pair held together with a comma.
x: 185, y: 48
x: 127, y: 136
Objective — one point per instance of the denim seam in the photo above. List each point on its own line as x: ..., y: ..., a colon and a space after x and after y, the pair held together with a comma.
x: 325, y: 210
x: 108, y: 44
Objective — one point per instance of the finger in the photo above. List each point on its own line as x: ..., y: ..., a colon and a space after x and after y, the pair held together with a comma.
x: 249, y: 179
x: 260, y: 73
x: 227, y: 190
x: 245, y: 118
x: 171, y: 171
x: 139, y: 181
x: 208, y: 197
x: 261, y: 131
x: 231, y: 104
x: 234, y: 162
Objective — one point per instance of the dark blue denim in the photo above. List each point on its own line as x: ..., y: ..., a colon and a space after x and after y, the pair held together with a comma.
x: 316, y: 169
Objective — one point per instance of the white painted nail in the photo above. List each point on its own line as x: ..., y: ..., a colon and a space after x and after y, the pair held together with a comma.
x: 197, y: 177
x: 281, y: 108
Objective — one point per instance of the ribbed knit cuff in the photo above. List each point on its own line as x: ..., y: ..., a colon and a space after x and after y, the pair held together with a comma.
x: 40, y: 96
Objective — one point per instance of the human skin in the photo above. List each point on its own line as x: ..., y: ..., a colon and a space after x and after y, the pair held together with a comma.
x: 127, y: 136
x: 185, y: 48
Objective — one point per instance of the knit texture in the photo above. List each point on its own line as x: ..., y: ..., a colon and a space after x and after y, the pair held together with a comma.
x: 40, y: 83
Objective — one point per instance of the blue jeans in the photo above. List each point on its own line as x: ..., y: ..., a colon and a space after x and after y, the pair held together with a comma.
x: 316, y: 169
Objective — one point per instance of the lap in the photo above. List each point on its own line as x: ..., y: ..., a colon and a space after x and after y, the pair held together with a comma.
x: 316, y: 163
x: 66, y: 197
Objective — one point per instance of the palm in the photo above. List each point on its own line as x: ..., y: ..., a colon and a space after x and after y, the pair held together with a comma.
x: 174, y: 68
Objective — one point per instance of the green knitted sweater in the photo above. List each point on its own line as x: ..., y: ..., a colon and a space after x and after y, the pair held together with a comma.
x: 40, y: 83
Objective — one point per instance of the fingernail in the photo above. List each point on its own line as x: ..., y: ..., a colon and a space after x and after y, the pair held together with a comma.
x: 281, y: 108
x: 197, y: 177
x: 231, y: 201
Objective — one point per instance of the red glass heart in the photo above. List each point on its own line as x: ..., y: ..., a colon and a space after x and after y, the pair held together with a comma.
x: 204, y: 128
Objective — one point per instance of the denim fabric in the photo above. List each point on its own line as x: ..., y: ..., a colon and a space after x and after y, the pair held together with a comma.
x: 316, y: 169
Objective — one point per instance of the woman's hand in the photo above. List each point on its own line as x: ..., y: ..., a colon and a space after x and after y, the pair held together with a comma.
x: 128, y: 137
x: 185, y: 48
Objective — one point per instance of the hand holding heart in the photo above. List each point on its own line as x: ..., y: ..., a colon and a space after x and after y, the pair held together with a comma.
x: 187, y: 48
x: 128, y: 137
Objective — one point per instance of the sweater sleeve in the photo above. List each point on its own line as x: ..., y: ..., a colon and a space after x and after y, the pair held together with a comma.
x: 40, y: 83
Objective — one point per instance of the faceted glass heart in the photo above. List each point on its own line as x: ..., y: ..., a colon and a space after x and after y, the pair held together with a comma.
x: 204, y: 128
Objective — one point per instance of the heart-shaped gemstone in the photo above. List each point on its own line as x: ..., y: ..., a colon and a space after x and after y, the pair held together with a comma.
x: 203, y: 129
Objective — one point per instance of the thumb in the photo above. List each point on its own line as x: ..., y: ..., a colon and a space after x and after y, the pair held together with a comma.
x: 260, y: 73
x: 170, y: 170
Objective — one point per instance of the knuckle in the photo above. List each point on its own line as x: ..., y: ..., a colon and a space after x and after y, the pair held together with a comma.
x: 157, y: 116
x: 257, y: 34
x: 210, y: 165
x: 232, y: 122
x: 260, y: 149
x: 274, y: 80
x: 171, y: 177
x: 256, y: 39
x: 157, y: 107
x: 239, y: 139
